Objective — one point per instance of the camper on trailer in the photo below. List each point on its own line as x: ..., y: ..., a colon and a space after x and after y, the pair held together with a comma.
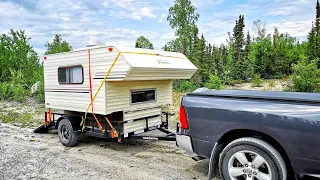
x: 110, y: 91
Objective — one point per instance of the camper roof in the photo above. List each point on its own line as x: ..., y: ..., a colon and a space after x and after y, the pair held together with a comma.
x: 135, y: 63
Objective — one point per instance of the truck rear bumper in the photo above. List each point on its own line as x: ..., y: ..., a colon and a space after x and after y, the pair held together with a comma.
x: 184, y: 142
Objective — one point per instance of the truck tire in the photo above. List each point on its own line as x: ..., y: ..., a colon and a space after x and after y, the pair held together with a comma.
x: 251, y: 159
x: 68, y: 137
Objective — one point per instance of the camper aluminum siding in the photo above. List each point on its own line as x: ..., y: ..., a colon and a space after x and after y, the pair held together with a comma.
x: 118, y: 97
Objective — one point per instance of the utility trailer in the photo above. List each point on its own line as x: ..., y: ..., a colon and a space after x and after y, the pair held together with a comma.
x: 111, y: 92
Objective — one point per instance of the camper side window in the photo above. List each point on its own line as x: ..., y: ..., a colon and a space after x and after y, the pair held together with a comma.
x: 140, y: 96
x: 70, y: 75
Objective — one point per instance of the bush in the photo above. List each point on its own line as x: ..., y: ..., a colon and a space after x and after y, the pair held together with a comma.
x: 227, y: 78
x: 40, y: 93
x: 12, y: 91
x: 256, y: 81
x: 15, y: 88
x: 306, y: 77
x: 5, y: 90
x: 18, y: 93
x: 186, y: 86
x: 214, y: 83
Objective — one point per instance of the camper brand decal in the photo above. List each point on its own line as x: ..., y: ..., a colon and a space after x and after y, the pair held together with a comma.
x: 162, y: 61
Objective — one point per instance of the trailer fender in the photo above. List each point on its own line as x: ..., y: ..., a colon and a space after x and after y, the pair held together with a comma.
x: 75, y: 122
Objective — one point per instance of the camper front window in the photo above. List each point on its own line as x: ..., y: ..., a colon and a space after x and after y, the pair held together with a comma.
x: 70, y: 75
x: 140, y: 96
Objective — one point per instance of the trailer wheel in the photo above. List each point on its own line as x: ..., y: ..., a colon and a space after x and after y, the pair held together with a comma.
x: 68, y: 137
x: 251, y: 158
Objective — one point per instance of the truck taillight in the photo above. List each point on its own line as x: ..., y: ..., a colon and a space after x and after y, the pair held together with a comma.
x: 183, y: 118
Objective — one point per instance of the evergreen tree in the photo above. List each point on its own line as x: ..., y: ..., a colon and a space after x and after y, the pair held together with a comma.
x: 313, y: 51
x: 247, y: 50
x: 205, y: 62
x: 312, y: 44
x: 239, y: 70
x: 317, y: 30
x: 276, y: 48
x: 200, y: 60
x: 221, y: 60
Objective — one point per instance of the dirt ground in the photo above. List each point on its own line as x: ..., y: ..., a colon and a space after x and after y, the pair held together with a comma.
x: 25, y: 155
x: 266, y: 85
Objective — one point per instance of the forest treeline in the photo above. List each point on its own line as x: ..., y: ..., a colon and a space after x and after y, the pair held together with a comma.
x: 245, y: 56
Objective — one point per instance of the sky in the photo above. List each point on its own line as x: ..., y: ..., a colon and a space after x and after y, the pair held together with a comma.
x: 121, y: 22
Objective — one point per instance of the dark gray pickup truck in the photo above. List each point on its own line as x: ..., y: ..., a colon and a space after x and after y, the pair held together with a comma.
x: 251, y: 135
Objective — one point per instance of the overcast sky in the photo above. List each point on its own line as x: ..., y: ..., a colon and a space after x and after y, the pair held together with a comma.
x: 121, y: 22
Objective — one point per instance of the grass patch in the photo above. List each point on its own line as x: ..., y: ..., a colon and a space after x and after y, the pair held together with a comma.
x: 272, y: 83
x: 21, y: 119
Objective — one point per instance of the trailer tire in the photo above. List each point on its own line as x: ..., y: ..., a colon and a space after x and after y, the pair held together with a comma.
x: 251, y: 151
x: 68, y: 137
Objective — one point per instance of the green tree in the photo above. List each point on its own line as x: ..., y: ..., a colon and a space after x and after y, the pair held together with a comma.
x: 19, y: 65
x: 143, y: 42
x: 312, y: 44
x: 306, y: 77
x: 239, y: 70
x: 16, y: 54
x: 200, y: 59
x: 182, y: 18
x: 173, y: 46
x: 58, y: 45
x: 262, y: 55
x: 221, y: 60
x: 247, y: 60
x: 317, y: 30
x: 314, y: 37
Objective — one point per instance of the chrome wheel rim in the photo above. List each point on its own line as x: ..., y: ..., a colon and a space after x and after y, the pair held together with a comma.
x: 65, y: 134
x: 248, y: 165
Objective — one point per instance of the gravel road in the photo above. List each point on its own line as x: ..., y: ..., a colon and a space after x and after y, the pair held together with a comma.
x: 25, y: 155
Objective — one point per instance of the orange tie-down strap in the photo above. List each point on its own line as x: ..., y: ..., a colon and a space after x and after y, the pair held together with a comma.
x: 113, y: 132
x: 48, y: 118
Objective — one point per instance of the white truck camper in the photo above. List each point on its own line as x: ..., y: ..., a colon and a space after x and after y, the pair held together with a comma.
x: 110, y: 91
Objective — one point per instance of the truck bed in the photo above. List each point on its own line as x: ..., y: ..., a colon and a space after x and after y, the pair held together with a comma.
x: 265, y: 95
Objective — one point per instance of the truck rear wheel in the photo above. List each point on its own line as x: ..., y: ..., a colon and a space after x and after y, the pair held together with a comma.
x: 68, y: 137
x: 251, y: 159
